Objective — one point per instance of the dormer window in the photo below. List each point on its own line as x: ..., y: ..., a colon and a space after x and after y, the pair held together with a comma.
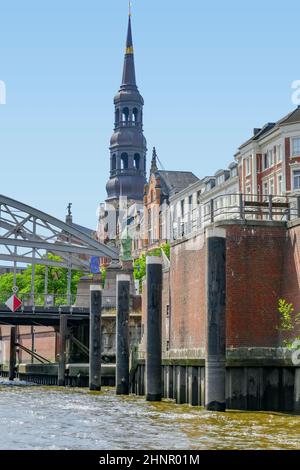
x: 233, y: 172
x: 220, y: 179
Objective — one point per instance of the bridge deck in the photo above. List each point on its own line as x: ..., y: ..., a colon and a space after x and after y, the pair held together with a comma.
x: 42, y: 316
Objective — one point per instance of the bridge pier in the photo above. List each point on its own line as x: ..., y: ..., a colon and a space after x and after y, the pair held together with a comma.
x: 63, y: 326
x: 122, y: 353
x: 12, y: 354
x: 95, y: 338
x: 154, y: 332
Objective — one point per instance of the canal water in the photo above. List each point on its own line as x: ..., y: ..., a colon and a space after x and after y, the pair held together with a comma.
x: 32, y: 417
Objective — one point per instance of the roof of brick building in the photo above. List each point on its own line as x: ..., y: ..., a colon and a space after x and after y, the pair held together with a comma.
x: 174, y: 181
x: 290, y: 118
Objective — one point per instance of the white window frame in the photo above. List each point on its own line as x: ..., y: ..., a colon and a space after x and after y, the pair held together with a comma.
x: 297, y: 154
x: 265, y: 161
x: 248, y: 191
x: 280, y: 183
x: 248, y: 166
x: 293, y: 185
x: 270, y: 158
x: 279, y: 153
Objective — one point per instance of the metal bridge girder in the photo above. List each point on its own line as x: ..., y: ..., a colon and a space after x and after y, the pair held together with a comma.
x: 27, y: 235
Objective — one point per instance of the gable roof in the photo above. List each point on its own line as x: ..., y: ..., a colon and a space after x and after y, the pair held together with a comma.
x: 174, y: 181
x: 290, y: 118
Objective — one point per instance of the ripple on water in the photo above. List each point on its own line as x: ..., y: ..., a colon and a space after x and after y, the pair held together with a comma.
x: 52, y: 418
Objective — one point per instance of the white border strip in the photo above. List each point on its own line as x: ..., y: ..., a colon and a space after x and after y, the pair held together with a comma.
x: 123, y: 277
x: 153, y: 260
x: 215, y: 232
x: 95, y: 287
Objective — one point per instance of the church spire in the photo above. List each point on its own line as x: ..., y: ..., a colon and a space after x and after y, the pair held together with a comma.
x: 128, y: 146
x: 128, y: 79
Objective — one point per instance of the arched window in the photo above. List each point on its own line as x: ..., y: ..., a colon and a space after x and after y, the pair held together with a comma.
x: 113, y: 162
x: 137, y: 161
x: 117, y: 117
x: 125, y: 115
x: 135, y: 115
x: 124, y: 161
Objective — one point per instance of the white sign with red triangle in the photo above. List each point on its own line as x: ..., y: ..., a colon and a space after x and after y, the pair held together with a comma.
x: 13, y: 303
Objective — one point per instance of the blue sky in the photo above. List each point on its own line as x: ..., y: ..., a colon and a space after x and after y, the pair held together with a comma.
x: 209, y: 72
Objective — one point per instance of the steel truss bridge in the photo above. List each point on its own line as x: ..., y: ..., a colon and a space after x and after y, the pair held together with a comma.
x: 28, y: 236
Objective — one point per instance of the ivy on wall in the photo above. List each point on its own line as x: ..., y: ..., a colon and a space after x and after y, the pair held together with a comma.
x: 139, y: 264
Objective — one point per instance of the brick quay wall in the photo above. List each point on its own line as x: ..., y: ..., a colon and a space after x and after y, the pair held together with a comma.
x: 262, y: 266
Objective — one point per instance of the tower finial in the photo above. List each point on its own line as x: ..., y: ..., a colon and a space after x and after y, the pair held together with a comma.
x: 154, y: 162
x: 128, y: 79
x: 129, y: 7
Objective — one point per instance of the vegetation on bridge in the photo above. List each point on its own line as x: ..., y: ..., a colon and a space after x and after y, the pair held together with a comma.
x: 57, y: 282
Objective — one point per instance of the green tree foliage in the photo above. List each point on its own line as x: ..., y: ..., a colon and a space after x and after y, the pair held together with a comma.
x: 139, y: 264
x: 103, y: 276
x: 57, y: 282
x: 289, y: 320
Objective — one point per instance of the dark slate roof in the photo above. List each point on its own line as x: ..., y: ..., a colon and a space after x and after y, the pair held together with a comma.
x: 259, y: 133
x: 290, y: 118
x: 174, y: 181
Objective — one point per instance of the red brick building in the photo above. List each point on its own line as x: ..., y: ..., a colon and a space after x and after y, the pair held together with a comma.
x: 269, y: 162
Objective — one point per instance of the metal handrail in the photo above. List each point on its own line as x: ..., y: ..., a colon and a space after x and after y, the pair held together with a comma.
x: 55, y: 300
x: 243, y: 206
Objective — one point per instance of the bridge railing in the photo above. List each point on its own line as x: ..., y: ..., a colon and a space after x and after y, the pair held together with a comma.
x: 56, y: 300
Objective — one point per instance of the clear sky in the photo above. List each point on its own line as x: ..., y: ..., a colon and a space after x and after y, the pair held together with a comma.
x: 209, y: 72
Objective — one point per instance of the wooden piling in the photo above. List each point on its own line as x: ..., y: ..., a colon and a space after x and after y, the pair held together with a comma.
x: 63, y: 325
x: 122, y: 332
x: 154, y: 329
x: 12, y: 354
x: 216, y: 309
x: 95, y: 338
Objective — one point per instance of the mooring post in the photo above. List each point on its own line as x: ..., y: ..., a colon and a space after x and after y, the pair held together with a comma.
x: 95, y: 338
x: 122, y: 332
x: 63, y: 326
x: 216, y: 306
x: 297, y: 390
x: 154, y: 340
x: 12, y: 354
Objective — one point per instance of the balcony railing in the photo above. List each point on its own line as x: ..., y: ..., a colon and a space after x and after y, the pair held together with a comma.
x: 237, y: 206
